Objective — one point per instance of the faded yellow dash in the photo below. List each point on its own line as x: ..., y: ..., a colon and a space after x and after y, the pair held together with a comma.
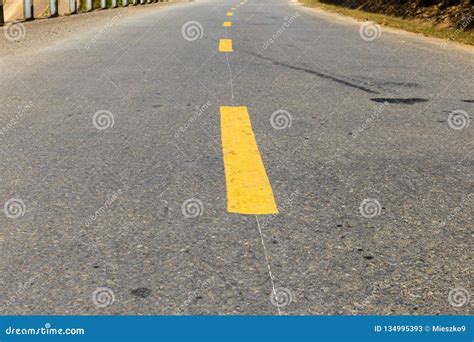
x: 248, y: 188
x: 225, y: 45
x: 227, y: 23
x: 233, y: 8
x: 230, y: 14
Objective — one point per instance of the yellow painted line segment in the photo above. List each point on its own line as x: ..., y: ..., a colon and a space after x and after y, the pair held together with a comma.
x: 230, y: 14
x: 248, y: 188
x: 225, y: 45
x: 227, y: 23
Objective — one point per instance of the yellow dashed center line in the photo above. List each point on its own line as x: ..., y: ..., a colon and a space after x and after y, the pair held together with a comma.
x: 248, y: 188
x: 230, y: 14
x: 227, y: 24
x: 225, y: 45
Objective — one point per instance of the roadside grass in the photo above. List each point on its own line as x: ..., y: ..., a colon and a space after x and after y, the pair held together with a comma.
x: 411, y: 25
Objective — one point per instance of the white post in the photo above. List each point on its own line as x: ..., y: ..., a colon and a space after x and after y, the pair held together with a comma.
x: 72, y: 7
x: 89, y: 5
x: 53, y: 8
x: 28, y: 10
x: 103, y: 4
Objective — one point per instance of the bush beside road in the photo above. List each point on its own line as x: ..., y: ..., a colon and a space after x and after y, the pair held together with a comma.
x: 431, y: 18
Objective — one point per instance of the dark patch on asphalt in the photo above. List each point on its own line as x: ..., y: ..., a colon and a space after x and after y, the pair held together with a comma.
x: 317, y: 73
x: 368, y: 257
x: 141, y: 292
x: 409, y: 101
x: 468, y: 101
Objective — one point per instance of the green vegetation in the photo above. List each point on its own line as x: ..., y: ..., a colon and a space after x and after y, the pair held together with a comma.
x: 413, y: 25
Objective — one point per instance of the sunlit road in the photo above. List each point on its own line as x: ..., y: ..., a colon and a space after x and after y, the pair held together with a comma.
x: 266, y: 159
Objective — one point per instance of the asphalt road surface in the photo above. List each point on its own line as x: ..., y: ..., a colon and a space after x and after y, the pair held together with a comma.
x: 142, y: 166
